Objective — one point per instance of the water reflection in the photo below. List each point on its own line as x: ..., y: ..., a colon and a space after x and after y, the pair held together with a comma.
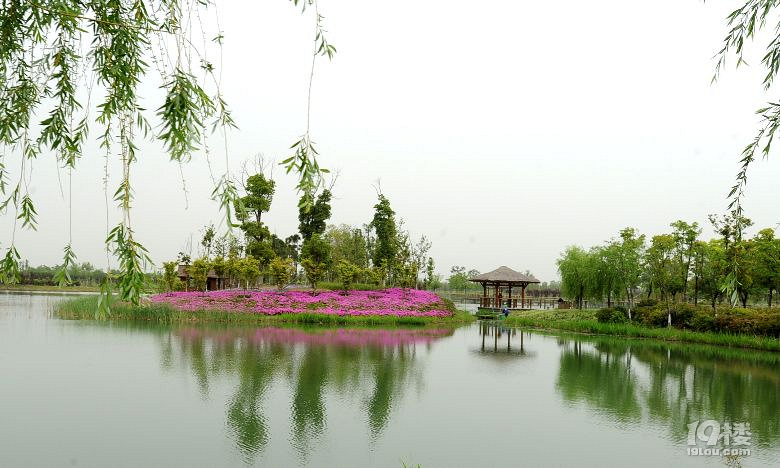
x: 371, y: 364
x: 670, y: 386
x: 498, y: 341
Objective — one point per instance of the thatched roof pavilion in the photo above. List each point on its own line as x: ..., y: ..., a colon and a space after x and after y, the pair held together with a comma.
x: 502, y: 278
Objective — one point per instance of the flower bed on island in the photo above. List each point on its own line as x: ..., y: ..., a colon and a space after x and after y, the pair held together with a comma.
x: 393, y: 302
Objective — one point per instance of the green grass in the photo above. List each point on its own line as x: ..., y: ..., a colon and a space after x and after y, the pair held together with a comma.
x: 83, y: 308
x: 584, y: 322
x: 47, y: 288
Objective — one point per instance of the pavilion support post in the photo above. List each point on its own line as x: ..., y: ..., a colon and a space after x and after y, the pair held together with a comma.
x: 509, y: 300
x: 522, y: 301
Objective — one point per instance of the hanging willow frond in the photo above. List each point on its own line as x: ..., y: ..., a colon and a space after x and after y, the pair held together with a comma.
x: 62, y: 275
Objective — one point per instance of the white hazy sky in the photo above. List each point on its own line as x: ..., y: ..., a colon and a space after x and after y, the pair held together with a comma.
x: 503, y: 130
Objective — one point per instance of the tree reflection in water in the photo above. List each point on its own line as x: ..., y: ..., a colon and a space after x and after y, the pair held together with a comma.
x: 376, y: 363
x: 672, y: 385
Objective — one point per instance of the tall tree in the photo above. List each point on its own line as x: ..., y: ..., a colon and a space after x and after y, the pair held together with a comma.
x: 383, y: 223
x: 685, y: 236
x: 629, y: 250
x: 662, y: 268
x: 348, y: 243
x: 249, y: 211
x: 738, y: 281
x: 314, y: 219
x: 766, y: 252
x: 315, y: 259
x: 574, y: 267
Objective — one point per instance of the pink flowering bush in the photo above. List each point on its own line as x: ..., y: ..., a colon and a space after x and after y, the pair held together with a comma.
x: 390, y: 302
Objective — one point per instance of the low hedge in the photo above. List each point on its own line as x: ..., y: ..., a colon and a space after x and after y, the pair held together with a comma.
x: 759, y: 321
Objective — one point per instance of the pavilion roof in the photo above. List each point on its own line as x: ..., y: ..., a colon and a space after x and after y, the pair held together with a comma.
x: 504, y: 274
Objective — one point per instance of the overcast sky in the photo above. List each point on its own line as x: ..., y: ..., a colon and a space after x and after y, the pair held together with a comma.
x: 502, y: 130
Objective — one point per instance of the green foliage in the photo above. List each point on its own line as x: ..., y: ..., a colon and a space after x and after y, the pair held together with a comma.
x: 766, y: 262
x: 249, y: 210
x: 737, y: 255
x: 459, y: 279
x: 199, y: 272
x: 183, y: 112
x: 663, y: 270
x: 348, y: 274
x: 259, y: 195
x: 313, y: 219
x: 42, y: 64
x: 248, y: 269
x: 612, y: 315
x: 431, y: 279
x: 406, y: 274
x: 132, y: 255
x: 9, y: 267
x: 314, y: 270
x: 317, y: 250
x: 333, y: 286
x: 574, y: 265
x: 386, y: 230
x: 348, y: 244
x: 207, y: 242
x: 170, y: 275
x: 62, y: 277
x: 743, y: 24
x: 685, y: 236
x: 282, y: 271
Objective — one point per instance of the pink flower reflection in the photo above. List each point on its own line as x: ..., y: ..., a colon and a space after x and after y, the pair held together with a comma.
x: 352, y: 337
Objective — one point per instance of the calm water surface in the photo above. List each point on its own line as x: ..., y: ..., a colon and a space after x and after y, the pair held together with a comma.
x: 94, y: 394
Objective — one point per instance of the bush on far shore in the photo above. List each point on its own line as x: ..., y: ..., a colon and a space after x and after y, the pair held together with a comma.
x: 759, y: 321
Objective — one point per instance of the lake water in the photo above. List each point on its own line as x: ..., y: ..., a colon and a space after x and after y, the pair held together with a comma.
x: 94, y: 394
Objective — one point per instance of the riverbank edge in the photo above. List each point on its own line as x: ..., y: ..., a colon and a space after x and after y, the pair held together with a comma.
x: 46, y: 289
x: 83, y: 308
x: 593, y: 327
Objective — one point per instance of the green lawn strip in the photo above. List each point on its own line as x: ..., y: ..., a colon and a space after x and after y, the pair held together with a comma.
x: 571, y: 322
x: 47, y: 288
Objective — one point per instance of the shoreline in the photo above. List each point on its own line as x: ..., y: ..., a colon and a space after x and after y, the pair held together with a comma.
x: 630, y: 330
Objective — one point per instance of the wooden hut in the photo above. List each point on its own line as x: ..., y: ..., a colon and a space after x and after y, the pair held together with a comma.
x: 497, y: 288
x: 213, y: 281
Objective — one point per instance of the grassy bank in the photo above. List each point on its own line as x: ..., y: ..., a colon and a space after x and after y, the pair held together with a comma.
x: 47, y: 288
x: 83, y: 308
x: 585, y: 322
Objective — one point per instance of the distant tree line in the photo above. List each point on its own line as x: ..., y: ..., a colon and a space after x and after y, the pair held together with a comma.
x: 678, y: 266
x: 381, y: 253
x: 80, y: 274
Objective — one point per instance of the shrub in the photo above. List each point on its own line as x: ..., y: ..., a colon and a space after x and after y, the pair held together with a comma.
x: 683, y: 313
x: 703, y: 319
x: 647, y: 303
x: 748, y: 321
x: 612, y: 315
x: 348, y: 274
x: 282, y: 271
